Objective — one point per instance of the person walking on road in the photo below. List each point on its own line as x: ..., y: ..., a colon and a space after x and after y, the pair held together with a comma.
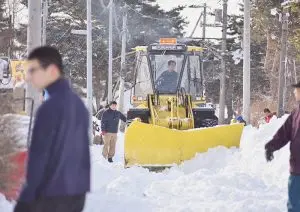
x: 58, y: 170
x: 290, y: 132
x: 109, y: 128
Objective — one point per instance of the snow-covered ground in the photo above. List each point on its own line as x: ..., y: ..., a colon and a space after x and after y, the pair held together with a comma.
x: 220, y: 180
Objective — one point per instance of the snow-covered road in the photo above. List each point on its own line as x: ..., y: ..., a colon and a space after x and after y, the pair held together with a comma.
x: 220, y: 180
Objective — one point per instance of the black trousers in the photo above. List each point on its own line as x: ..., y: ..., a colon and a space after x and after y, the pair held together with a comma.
x: 53, y: 204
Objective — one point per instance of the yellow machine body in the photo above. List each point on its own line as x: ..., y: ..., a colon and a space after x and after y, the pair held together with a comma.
x: 169, y: 137
x: 165, y: 128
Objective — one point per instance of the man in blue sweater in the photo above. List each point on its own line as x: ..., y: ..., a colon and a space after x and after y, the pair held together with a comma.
x: 109, y: 128
x: 58, y: 170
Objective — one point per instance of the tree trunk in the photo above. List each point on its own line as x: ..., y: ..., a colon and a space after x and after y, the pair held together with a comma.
x: 274, y: 75
x: 269, y: 53
x: 229, y: 98
x: 271, y: 63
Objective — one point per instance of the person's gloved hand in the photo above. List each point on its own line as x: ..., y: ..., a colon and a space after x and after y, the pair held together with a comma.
x: 269, y: 155
x: 103, y: 132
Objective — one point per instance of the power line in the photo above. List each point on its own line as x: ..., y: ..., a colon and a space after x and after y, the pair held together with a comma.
x: 197, y: 24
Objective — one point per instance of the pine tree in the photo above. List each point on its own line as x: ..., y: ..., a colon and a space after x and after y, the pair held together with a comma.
x: 259, y: 79
x: 13, y: 35
x: 5, y: 34
x: 146, y: 24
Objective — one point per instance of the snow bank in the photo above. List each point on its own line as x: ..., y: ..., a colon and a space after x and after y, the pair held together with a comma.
x: 220, y: 180
x: 5, y: 206
x: 237, y: 56
x: 21, y: 125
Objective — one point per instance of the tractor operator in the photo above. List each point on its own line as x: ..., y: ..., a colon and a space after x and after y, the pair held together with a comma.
x: 167, y: 81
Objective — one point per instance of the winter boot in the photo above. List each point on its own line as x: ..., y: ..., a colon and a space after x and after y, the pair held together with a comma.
x: 110, y: 160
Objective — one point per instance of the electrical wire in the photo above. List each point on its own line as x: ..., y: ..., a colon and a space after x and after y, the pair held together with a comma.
x: 197, y: 24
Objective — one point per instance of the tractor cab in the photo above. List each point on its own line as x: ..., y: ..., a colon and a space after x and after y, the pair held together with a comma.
x: 168, y: 68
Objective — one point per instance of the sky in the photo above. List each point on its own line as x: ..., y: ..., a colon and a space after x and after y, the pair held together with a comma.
x: 192, y: 14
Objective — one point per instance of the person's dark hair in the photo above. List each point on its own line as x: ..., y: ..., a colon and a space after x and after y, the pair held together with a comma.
x: 266, y: 110
x: 46, y: 56
x: 171, y: 61
x: 112, y: 103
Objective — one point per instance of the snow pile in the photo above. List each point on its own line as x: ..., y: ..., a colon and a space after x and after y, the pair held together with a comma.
x: 237, y: 56
x: 21, y: 126
x: 220, y: 180
x: 5, y: 206
x: 274, y: 11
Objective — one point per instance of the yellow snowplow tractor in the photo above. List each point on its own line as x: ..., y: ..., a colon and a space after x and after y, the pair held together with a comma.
x: 171, y: 121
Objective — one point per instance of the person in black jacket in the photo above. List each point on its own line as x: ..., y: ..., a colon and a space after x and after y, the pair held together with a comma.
x: 58, y: 170
x: 109, y: 128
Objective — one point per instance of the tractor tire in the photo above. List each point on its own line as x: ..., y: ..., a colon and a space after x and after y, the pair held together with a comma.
x: 209, y: 122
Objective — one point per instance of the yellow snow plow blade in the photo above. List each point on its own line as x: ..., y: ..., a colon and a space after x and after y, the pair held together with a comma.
x: 151, y: 145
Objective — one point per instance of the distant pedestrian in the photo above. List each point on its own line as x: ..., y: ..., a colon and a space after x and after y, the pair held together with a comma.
x: 58, y: 170
x: 268, y: 115
x: 290, y: 132
x: 109, y: 127
x: 241, y: 120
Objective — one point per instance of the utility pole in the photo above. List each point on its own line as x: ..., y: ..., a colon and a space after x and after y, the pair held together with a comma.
x: 123, y: 64
x: 204, y: 22
x: 33, y: 41
x: 283, y: 52
x: 223, y: 66
x: 89, y: 64
x: 110, y: 53
x: 45, y: 17
x: 246, y: 62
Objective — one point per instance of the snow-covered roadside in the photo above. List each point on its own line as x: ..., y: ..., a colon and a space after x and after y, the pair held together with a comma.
x: 220, y: 180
